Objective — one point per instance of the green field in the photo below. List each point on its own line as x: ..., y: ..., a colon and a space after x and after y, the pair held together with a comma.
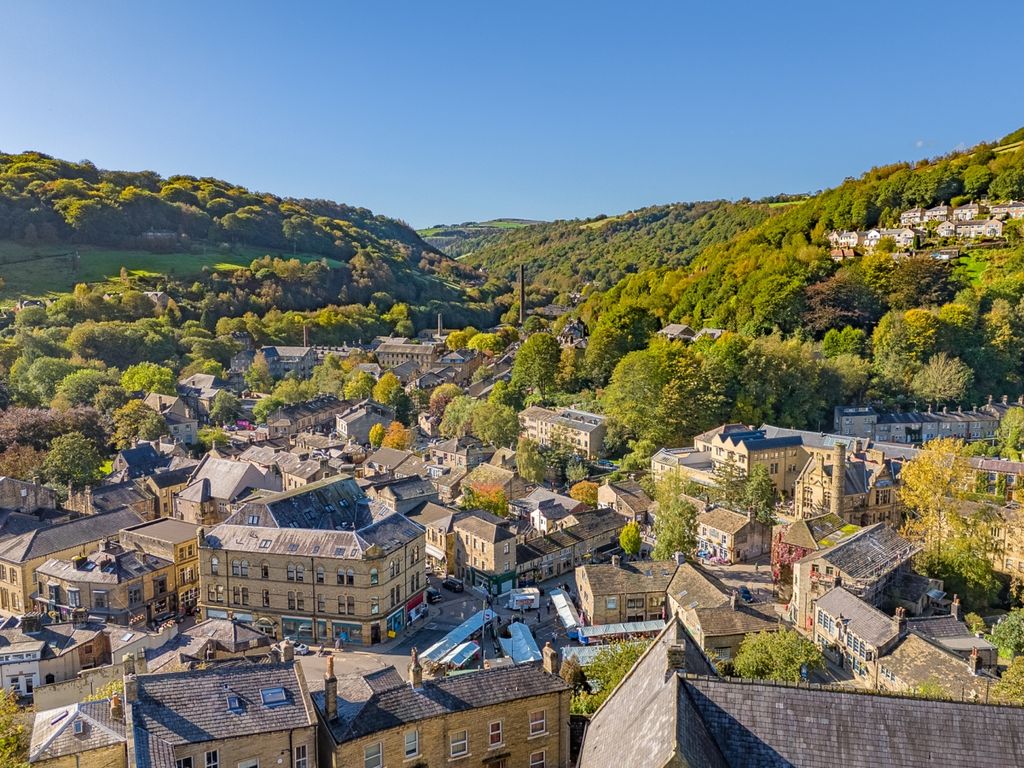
x: 47, y: 272
x: 471, y: 225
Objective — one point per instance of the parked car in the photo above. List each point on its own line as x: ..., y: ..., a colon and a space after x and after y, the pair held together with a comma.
x: 453, y: 584
x: 301, y: 649
x: 433, y: 595
x: 746, y: 595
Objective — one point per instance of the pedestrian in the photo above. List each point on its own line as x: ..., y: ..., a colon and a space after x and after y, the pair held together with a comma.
x: 337, y: 643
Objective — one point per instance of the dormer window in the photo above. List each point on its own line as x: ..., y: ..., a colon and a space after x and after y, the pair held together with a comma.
x: 273, y: 697
x: 78, y: 727
x: 234, y: 704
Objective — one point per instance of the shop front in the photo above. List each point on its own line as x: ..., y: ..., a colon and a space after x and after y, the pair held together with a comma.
x: 395, y: 623
x: 346, y: 631
x: 492, y: 584
x: 297, y: 629
x: 416, y: 607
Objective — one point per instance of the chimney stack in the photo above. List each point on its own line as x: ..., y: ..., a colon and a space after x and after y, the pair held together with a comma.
x: 522, y: 294
x: 838, y: 479
x: 954, y: 607
x: 131, y: 689
x: 287, y: 650
x: 31, y: 622
x: 732, y: 600
x: 616, y: 561
x: 675, y: 658
x: 305, y: 334
x: 330, y: 691
x: 900, y: 621
x: 680, y: 558
x: 440, y: 327
x: 975, y: 661
x: 116, y: 708
x: 550, y: 658
x: 416, y: 670
x: 129, y: 664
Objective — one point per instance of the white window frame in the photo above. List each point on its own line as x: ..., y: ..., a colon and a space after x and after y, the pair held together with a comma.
x: 371, y: 760
x: 301, y: 758
x: 415, y: 743
x: 543, y: 722
x: 183, y: 762
x: 213, y: 759
x: 491, y: 743
x: 464, y: 741
x: 252, y: 762
x: 542, y: 763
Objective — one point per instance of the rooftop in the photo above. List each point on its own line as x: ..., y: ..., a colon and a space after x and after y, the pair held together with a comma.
x: 865, y: 621
x: 643, y: 576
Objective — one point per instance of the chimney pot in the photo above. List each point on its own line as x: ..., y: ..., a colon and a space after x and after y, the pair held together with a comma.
x: 954, y: 607
x: 116, y: 707
x: 732, y: 601
x: 975, y: 661
x: 616, y: 561
x: 550, y: 656
x: 131, y: 689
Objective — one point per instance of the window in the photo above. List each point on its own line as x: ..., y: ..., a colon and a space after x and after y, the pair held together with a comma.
x: 494, y: 738
x: 301, y: 758
x: 236, y: 568
x: 538, y: 723
x: 341, y: 575
x: 99, y: 599
x: 235, y: 595
x: 252, y: 762
x: 220, y: 593
x: 373, y: 576
x: 265, y: 571
x: 291, y: 601
x: 341, y: 604
x: 351, y: 577
x: 459, y: 742
x: 184, y: 762
x: 273, y: 697
x: 412, y: 743
x: 214, y: 565
x: 245, y: 595
x: 291, y: 571
x: 245, y: 567
x: 213, y: 759
x: 351, y: 602
x: 537, y: 759
x: 611, y: 603
x: 74, y: 598
x: 321, y: 603
x: 266, y: 598
x: 319, y: 575
x: 375, y: 605
x: 373, y: 756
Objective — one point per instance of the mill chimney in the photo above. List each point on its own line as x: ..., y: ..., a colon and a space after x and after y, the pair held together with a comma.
x: 305, y: 335
x: 522, y: 294
x: 838, y: 479
x: 440, y: 327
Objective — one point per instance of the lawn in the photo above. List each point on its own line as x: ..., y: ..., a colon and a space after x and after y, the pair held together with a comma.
x: 973, y: 265
x: 49, y: 270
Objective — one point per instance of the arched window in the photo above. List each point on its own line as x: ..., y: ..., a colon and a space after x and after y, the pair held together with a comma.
x: 391, y: 569
x: 373, y: 576
x: 341, y: 575
x: 319, y: 575
x: 300, y: 573
x: 245, y: 568
x: 214, y: 566
x: 351, y: 577
x: 291, y: 571
x: 265, y: 570
x: 234, y: 568
x: 351, y: 601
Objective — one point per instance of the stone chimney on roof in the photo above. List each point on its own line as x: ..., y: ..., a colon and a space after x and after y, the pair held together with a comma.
x: 131, y: 688
x: 550, y: 656
x: 732, y: 600
x: 954, y: 607
x: 675, y: 658
x: 899, y: 621
x: 330, y: 691
x: 415, y: 670
x: 974, y: 661
x: 116, y: 707
x: 616, y: 561
x: 679, y: 558
x: 129, y: 664
x: 287, y: 650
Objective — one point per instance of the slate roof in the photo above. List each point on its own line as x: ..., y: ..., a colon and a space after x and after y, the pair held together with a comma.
x: 649, y: 576
x: 598, y: 523
x: 55, y: 639
x: 227, y: 479
x: 53, y: 733
x: 167, y: 529
x: 171, y: 477
x: 191, y: 708
x: 554, y: 506
x: 46, y: 541
x: 108, y: 498
x: 191, y: 644
x: 865, y: 621
x: 724, y: 520
x: 660, y: 718
x: 139, y: 461
x: 335, y: 503
x: 112, y: 564
x: 815, y: 533
x: 382, y: 700
x: 917, y: 660
x: 630, y: 493
x: 693, y: 587
x: 724, y: 620
x: 484, y: 525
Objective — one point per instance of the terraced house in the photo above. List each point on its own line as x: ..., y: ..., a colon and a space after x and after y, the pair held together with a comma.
x: 312, y: 584
x: 581, y: 431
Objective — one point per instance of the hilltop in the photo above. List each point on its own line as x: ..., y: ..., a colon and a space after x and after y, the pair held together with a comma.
x: 457, y: 240
x: 603, y: 249
x: 182, y: 224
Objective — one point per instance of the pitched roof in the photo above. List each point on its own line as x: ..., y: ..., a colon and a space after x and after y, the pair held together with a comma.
x: 53, y: 732
x: 227, y: 479
x: 484, y: 525
x: 632, y: 494
x: 917, y: 660
x: 46, y: 541
x: 722, y: 519
x: 644, y: 576
x: 593, y: 525
x: 164, y: 700
x: 865, y: 621
x: 693, y: 587
x: 725, y: 621
x: 819, y: 532
x: 382, y: 700
x: 868, y: 551
x: 53, y: 639
x: 335, y: 503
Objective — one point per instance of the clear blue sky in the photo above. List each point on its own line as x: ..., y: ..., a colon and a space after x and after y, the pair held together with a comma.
x: 453, y: 111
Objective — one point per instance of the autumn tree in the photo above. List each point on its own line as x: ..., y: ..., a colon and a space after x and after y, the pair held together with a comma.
x: 629, y: 538
x: 377, y: 435
x: 359, y: 386
x: 496, y: 425
x: 529, y: 461
x: 137, y: 421
x: 942, y: 379
x: 585, y: 492
x: 1010, y: 688
x: 13, y: 735
x: 490, y: 498
x: 258, y: 377
x: 387, y: 389
x: 397, y: 437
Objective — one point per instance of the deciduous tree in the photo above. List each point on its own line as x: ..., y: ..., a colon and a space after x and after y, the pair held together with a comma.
x: 629, y: 538
x: 675, y: 526
x: 72, y: 459
x: 585, y: 491
x: 780, y: 656
x: 148, y: 377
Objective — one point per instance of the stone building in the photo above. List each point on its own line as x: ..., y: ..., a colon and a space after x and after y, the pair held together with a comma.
x: 615, y: 592
x: 581, y: 431
x: 860, y: 487
x: 313, y: 584
x: 173, y: 540
x: 556, y: 553
x: 502, y: 717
